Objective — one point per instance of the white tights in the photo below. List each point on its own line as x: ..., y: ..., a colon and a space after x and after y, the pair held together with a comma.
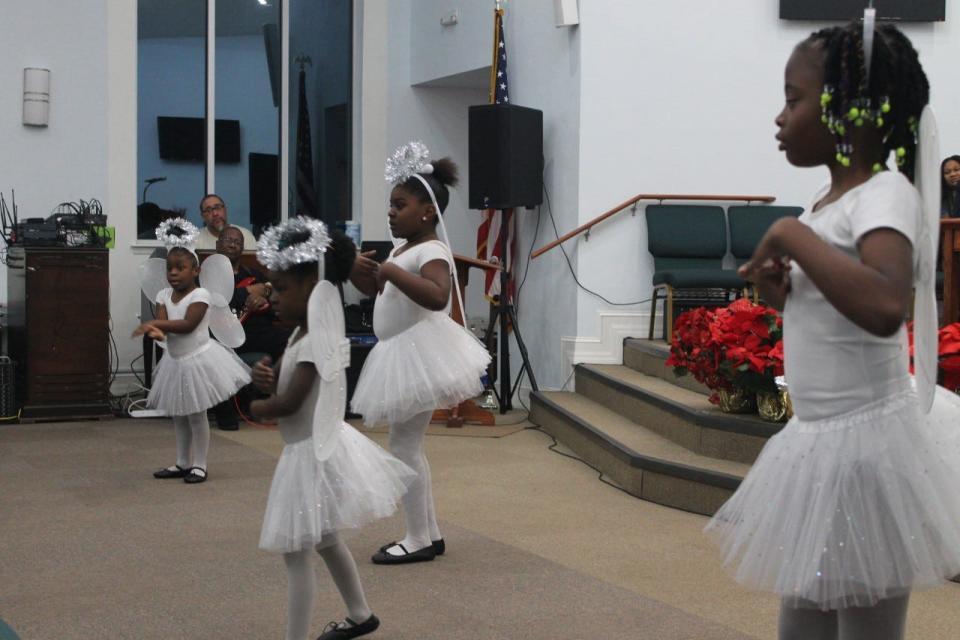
x: 193, y: 437
x: 302, y: 585
x: 886, y: 620
x: 406, y: 443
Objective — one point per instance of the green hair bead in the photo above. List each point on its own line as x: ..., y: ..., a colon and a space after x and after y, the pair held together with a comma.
x: 841, y: 129
x: 845, y: 161
x: 823, y: 118
x: 901, y: 152
x: 879, y: 122
x: 858, y: 122
x: 825, y: 98
x: 885, y: 107
x: 854, y: 113
x: 877, y: 167
x: 839, y: 157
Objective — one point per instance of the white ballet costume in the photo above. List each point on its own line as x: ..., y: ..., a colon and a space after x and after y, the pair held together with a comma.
x: 855, y: 502
x: 196, y: 371
x: 310, y: 499
x: 423, y: 359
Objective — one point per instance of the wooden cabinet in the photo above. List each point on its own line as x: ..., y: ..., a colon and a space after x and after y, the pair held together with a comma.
x: 59, y: 318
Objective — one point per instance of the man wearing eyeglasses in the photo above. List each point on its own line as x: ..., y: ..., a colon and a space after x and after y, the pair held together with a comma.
x: 214, y: 213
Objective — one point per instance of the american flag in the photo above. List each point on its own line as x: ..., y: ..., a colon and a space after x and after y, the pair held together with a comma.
x: 306, y: 200
x: 489, y: 246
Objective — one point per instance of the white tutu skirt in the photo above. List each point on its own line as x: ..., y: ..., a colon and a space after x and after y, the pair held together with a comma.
x: 850, y: 510
x: 358, y: 483
x: 204, y: 378
x: 435, y: 364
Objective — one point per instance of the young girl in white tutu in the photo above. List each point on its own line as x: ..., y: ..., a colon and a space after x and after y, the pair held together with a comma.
x: 329, y: 478
x: 196, y: 372
x: 423, y: 360
x: 854, y: 503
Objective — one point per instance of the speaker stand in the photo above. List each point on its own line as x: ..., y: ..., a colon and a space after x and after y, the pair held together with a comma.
x: 504, y: 312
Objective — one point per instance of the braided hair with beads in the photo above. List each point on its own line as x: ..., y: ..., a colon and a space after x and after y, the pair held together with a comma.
x: 890, y: 99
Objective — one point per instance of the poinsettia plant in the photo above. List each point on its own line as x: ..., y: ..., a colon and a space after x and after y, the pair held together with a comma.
x: 738, y: 346
x: 948, y: 355
x: 693, y: 350
x: 751, y: 336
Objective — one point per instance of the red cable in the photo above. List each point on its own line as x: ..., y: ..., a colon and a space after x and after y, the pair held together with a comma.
x: 248, y: 420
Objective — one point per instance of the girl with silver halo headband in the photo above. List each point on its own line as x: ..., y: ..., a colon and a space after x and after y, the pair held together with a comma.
x: 197, y: 372
x: 297, y: 241
x: 423, y: 360
x: 330, y: 478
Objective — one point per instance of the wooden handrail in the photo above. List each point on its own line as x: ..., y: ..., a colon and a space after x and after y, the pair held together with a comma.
x: 637, y: 198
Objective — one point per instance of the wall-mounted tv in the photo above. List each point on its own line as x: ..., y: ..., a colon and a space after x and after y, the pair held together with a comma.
x: 907, y: 10
x: 183, y: 139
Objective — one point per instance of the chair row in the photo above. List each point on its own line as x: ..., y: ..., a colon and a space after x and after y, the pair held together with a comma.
x: 689, y: 243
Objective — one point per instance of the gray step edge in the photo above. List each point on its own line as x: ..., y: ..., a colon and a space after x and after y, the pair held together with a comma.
x: 717, y: 421
x: 635, y: 459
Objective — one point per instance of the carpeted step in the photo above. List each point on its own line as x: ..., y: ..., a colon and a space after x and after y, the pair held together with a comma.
x: 641, y: 461
x: 649, y: 356
x: 683, y: 416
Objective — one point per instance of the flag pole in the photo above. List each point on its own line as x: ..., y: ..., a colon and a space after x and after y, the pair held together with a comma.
x: 497, y: 16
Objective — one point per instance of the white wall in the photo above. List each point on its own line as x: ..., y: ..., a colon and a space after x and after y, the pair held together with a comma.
x: 545, y: 73
x: 680, y: 96
x: 67, y: 160
x: 449, y: 50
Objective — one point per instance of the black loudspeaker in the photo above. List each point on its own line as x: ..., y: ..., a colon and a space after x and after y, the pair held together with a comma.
x: 506, y: 156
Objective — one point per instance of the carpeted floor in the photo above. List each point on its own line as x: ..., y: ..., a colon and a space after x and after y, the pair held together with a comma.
x: 93, y: 547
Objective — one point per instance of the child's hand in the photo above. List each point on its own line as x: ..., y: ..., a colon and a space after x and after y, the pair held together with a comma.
x: 364, y: 266
x: 768, y: 253
x: 383, y: 274
x: 263, y: 376
x: 773, y: 279
x: 149, y: 330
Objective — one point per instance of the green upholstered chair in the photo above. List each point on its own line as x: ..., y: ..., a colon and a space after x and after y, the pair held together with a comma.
x: 747, y: 226
x: 749, y: 223
x: 688, y: 243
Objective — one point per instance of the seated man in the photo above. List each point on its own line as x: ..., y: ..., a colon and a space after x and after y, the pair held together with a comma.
x: 213, y: 210
x: 250, y: 302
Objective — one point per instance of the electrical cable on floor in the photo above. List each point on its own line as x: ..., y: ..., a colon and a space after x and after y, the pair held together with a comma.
x: 556, y: 443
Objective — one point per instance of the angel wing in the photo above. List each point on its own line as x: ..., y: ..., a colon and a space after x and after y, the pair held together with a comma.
x: 925, y: 307
x: 153, y: 277
x: 216, y: 276
x: 331, y: 352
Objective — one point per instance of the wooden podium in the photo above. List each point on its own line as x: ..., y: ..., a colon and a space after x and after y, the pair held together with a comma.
x: 950, y: 236
x: 467, y: 411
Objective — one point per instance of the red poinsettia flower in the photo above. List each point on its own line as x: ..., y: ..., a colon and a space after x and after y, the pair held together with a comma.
x: 736, y: 346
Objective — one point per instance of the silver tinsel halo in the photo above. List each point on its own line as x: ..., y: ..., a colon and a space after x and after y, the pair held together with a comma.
x: 407, y: 160
x: 275, y: 254
x: 186, y: 239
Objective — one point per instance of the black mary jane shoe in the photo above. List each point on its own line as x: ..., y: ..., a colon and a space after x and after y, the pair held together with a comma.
x: 176, y: 471
x: 195, y: 475
x: 339, y: 631
x: 420, y: 555
x: 439, y: 546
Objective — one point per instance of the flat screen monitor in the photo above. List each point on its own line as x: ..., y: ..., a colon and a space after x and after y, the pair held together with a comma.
x: 906, y: 10
x: 183, y: 139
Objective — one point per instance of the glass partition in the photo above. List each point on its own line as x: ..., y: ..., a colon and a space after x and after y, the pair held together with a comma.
x: 321, y: 55
x: 171, y: 104
x: 247, y: 98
